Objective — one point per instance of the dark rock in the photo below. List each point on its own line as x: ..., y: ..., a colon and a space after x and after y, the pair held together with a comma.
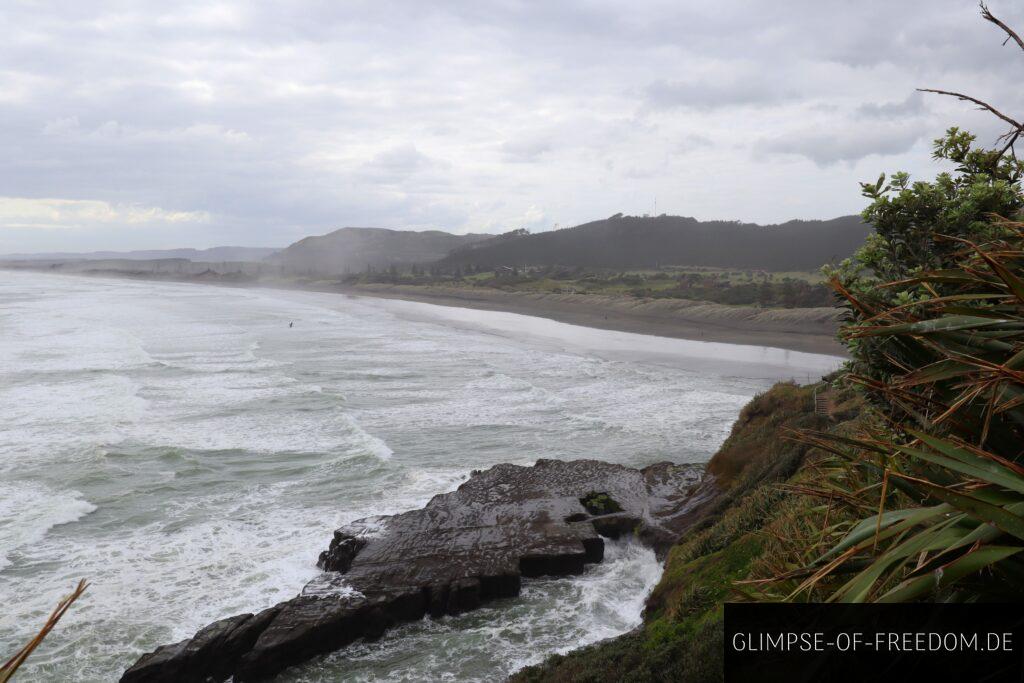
x: 461, y: 550
x: 463, y: 596
x: 210, y: 653
x: 615, y: 525
x: 343, y: 549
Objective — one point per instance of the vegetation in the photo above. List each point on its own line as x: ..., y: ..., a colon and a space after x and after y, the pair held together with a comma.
x: 730, y: 287
x: 943, y: 457
x: 681, y: 638
x: 916, y: 490
x: 616, y: 244
x: 936, y: 332
x: 641, y: 242
x: 600, y: 503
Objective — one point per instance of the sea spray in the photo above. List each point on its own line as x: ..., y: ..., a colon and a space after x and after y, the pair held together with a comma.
x: 200, y: 453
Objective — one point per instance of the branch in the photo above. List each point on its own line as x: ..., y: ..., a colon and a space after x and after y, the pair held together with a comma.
x: 1009, y: 31
x: 983, y: 105
x: 1009, y: 145
x: 11, y: 665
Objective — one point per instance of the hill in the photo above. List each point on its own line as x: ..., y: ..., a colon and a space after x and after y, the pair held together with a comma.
x: 355, y: 249
x: 645, y: 242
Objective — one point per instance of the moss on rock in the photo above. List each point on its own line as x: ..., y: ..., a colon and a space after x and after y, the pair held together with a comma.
x: 600, y: 503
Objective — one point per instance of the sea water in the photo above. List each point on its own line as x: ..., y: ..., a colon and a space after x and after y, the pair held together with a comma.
x: 189, y: 450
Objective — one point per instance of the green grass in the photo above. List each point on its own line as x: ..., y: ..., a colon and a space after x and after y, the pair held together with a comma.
x: 681, y: 638
x: 724, y: 287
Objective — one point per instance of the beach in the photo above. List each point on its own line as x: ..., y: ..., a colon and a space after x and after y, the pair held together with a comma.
x: 190, y: 450
x: 811, y: 330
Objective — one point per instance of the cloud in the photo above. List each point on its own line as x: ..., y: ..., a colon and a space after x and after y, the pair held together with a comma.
x: 534, y: 218
x: 526, y: 149
x: 115, y: 131
x: 912, y: 106
x: 843, y: 144
x: 398, y: 163
x: 278, y: 120
x: 691, y: 142
x: 29, y: 213
x: 716, y: 94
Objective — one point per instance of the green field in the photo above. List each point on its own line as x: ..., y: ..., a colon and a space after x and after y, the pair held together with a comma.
x: 723, y: 286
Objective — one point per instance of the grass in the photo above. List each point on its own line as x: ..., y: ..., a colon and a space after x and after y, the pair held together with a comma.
x: 937, y: 484
x: 726, y: 287
x: 764, y: 521
x: 915, y: 495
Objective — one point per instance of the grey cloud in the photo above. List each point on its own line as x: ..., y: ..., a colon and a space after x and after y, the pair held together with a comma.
x: 526, y: 149
x: 399, y: 163
x: 692, y: 142
x: 713, y: 94
x: 912, y: 106
x: 842, y: 144
x: 282, y: 119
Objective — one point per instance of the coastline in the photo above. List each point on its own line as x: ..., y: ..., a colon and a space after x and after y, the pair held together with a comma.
x: 597, y: 305
x: 809, y: 330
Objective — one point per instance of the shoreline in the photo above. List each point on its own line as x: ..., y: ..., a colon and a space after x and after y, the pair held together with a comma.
x: 286, y: 615
x: 805, y: 330
x: 809, y: 330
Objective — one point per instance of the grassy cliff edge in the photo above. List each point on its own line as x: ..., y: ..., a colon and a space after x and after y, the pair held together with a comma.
x: 681, y: 636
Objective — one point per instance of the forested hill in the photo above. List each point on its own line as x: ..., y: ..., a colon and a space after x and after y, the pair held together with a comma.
x: 642, y: 242
x: 356, y: 249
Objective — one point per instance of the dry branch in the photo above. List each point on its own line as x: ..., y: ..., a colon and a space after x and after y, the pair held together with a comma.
x: 983, y: 105
x: 12, y: 664
x: 1010, y: 34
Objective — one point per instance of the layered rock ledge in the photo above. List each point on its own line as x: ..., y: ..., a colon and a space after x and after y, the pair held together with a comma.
x: 461, y: 550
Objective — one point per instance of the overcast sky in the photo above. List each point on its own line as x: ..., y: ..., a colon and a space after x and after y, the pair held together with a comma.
x: 166, y: 124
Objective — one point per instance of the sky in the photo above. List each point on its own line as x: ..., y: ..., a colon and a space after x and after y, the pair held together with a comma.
x: 135, y: 124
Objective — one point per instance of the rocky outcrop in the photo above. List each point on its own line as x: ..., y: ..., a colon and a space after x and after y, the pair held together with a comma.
x: 462, y: 549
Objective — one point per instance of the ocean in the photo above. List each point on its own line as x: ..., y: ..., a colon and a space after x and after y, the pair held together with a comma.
x: 189, y: 449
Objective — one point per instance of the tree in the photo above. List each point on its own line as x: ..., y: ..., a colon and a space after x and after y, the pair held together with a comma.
x: 788, y: 295
x: 918, y: 225
x: 936, y: 332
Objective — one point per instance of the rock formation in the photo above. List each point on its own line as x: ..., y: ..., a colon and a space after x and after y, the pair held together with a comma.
x: 461, y: 550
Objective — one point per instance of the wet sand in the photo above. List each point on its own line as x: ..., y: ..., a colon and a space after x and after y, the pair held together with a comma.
x: 811, y: 330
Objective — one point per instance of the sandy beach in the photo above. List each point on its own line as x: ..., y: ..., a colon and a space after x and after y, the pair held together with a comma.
x: 810, y: 330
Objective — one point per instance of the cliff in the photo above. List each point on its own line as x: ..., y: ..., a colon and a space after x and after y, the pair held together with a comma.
x: 759, y: 467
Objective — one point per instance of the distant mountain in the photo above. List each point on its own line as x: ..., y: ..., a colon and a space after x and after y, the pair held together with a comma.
x: 635, y: 242
x: 213, y: 254
x: 353, y: 249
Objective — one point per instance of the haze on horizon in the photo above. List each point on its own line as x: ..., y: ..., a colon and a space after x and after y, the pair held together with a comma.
x: 199, y: 124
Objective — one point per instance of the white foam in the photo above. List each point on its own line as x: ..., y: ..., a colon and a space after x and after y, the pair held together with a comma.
x: 550, y: 616
x: 220, y: 448
x: 28, y: 511
x: 42, y: 419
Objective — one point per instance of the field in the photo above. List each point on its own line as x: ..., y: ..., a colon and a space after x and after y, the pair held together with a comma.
x: 723, y: 286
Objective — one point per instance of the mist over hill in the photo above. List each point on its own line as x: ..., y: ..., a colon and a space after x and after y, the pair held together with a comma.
x: 619, y: 242
x: 355, y: 249
x: 213, y: 254
x: 644, y: 242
